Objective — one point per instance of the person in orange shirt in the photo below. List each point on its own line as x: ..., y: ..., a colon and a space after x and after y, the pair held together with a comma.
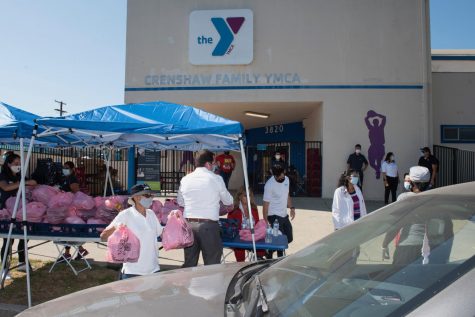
x: 241, y: 214
x: 226, y: 166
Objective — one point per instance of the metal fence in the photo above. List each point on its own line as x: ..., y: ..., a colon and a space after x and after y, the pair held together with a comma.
x: 455, y: 165
x: 303, y: 160
x: 46, y: 166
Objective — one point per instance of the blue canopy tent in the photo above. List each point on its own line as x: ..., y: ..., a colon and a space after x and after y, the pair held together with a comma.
x: 152, y: 125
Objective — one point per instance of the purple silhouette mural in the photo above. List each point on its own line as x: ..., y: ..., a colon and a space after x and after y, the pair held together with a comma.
x: 376, y: 139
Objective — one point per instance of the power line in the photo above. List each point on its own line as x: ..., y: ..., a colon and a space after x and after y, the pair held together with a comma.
x: 60, y: 110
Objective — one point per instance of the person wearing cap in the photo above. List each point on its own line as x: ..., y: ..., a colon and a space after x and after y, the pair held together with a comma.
x: 141, y: 220
x: 431, y: 163
x: 200, y: 194
x: 415, y: 238
x: 357, y: 162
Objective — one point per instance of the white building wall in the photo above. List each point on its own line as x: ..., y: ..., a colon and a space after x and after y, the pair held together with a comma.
x: 349, y: 46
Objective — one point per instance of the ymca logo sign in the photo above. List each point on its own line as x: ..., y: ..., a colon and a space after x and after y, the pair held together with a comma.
x: 221, y: 37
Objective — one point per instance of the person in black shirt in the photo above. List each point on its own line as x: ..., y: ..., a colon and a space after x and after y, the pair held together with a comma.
x: 431, y: 163
x: 9, y: 184
x: 358, y: 163
x: 70, y: 183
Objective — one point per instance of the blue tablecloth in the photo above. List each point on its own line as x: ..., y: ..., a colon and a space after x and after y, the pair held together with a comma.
x: 279, y: 243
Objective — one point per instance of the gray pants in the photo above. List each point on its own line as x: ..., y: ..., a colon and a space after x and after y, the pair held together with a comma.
x: 208, y: 241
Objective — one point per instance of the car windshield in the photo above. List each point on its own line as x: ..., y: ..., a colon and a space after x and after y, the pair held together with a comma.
x: 387, y: 263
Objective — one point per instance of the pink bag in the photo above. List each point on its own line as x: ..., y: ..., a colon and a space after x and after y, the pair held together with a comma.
x: 43, y: 193
x: 10, y: 203
x: 170, y: 204
x: 259, y: 231
x: 83, y: 201
x: 4, y: 215
x: 75, y: 221
x: 157, y: 208
x: 95, y: 221
x: 116, y: 202
x: 123, y: 246
x: 86, y: 214
x: 60, y: 201
x: 35, y: 212
x: 177, y: 234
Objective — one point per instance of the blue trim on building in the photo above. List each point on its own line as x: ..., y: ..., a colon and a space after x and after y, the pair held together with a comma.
x: 455, y: 126
x: 453, y: 58
x: 391, y: 87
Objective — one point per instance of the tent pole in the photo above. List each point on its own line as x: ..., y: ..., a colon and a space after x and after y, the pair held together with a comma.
x: 110, y: 176
x: 107, y: 171
x: 24, y: 170
x: 9, y: 237
x: 246, y: 182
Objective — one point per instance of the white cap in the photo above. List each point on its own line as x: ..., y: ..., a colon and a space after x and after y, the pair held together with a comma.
x: 419, y: 174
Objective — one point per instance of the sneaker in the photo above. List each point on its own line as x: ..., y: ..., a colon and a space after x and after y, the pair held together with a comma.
x: 81, y: 255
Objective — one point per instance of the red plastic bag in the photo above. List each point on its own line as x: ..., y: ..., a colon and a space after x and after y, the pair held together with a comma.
x: 177, y: 234
x: 83, y: 201
x: 259, y: 231
x: 123, y: 246
x: 43, y: 193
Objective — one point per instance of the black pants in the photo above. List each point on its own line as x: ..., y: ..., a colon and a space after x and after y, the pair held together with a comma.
x: 360, y: 183
x: 226, y: 177
x: 21, y: 249
x: 286, y: 227
x: 392, y: 187
x: 207, y: 240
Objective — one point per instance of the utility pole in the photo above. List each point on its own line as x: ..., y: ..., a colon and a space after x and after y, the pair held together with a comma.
x: 60, y: 110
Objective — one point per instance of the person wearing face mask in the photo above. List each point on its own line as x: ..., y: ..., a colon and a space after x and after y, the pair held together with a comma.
x: 200, y: 193
x: 357, y: 162
x: 407, y: 183
x: 278, y: 160
x: 141, y: 220
x: 431, y: 163
x: 70, y: 183
x: 390, y: 177
x: 276, y: 201
x: 348, y: 202
x: 9, y: 183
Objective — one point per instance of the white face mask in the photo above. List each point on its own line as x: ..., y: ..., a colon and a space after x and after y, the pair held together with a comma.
x: 407, y: 186
x: 392, y: 158
x: 357, y: 151
x: 146, y: 202
x: 66, y: 171
x: 354, y: 180
x: 15, y: 169
x: 277, y: 157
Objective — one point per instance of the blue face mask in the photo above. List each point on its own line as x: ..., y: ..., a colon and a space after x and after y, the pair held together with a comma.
x: 354, y: 180
x: 407, y: 186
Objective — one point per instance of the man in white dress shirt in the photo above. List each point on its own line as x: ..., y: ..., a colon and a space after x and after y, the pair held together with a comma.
x: 200, y: 193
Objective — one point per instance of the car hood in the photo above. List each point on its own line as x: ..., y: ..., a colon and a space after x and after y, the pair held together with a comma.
x: 198, y: 291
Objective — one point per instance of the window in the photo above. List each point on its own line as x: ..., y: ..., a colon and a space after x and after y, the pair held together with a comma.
x: 457, y: 133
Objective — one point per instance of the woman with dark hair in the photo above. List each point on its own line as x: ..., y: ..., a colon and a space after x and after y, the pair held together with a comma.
x: 390, y: 173
x: 241, y: 214
x: 70, y: 183
x: 348, y: 202
x: 9, y: 183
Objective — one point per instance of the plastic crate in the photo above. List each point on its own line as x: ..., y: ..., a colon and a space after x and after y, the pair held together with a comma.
x: 229, y: 228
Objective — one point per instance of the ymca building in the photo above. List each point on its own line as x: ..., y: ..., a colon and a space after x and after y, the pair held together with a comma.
x: 307, y: 78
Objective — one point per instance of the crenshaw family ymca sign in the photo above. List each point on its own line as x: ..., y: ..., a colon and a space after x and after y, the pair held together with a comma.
x: 221, y: 37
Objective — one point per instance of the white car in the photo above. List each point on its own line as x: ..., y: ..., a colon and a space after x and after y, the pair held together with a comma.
x: 414, y: 257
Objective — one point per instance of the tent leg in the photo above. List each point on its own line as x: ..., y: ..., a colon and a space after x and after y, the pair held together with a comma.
x: 24, y: 169
x: 246, y: 182
x: 106, y: 182
x: 110, y: 176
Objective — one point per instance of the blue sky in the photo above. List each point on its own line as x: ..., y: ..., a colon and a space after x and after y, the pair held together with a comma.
x: 74, y: 51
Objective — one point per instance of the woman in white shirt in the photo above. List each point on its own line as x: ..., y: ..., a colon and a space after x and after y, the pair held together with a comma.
x: 348, y: 203
x: 141, y: 220
x: 390, y: 177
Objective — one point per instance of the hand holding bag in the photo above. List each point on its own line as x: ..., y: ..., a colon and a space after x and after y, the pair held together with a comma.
x: 177, y: 234
x: 123, y: 246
